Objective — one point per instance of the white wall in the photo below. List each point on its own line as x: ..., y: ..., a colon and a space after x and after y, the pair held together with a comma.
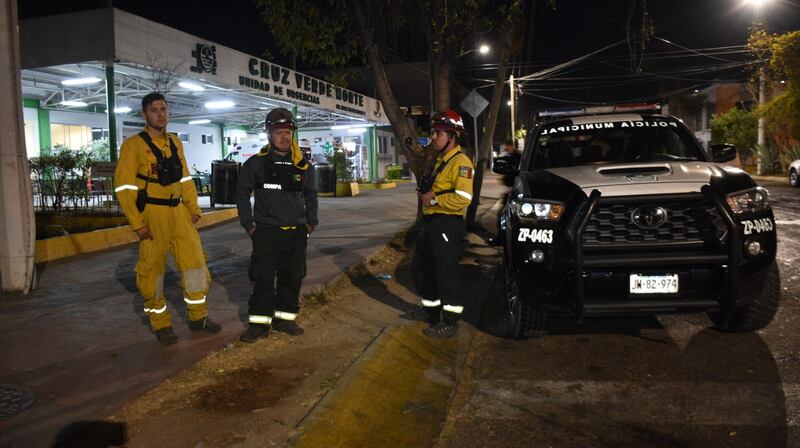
x: 31, y: 131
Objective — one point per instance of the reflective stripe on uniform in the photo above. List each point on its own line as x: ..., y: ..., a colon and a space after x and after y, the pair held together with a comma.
x: 285, y: 316
x: 445, y: 237
x: 464, y: 193
x: 125, y: 187
x: 430, y: 303
x: 453, y: 309
x: 265, y: 320
x: 194, y: 302
x: 185, y: 179
x: 156, y: 311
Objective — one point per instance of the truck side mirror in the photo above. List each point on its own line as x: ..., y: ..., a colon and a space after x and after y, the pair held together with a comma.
x: 505, y: 165
x: 722, y: 152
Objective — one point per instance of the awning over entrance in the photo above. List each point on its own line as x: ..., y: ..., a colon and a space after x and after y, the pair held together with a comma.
x: 67, y: 58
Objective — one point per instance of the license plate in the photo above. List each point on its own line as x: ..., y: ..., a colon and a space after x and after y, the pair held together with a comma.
x: 654, y: 284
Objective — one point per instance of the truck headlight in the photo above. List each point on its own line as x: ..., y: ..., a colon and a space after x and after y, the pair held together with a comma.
x: 537, y: 209
x: 749, y: 201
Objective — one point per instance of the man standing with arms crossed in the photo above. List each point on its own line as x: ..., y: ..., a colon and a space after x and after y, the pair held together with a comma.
x: 444, y: 201
x: 285, y: 214
x: 159, y: 198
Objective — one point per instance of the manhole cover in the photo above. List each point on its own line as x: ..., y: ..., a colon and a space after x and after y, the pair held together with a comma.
x: 13, y: 399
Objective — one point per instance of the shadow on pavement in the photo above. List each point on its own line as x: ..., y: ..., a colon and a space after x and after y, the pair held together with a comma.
x: 92, y: 434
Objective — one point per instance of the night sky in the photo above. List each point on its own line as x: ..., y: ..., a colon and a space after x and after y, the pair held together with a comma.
x: 573, y: 29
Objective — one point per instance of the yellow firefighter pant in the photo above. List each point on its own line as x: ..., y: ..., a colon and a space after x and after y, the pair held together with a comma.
x: 173, y: 232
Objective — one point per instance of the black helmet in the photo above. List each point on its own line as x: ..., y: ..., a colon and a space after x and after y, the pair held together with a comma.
x: 280, y: 118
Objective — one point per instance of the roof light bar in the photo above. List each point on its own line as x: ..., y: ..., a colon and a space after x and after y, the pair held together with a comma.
x: 191, y: 86
x: 73, y: 103
x: 201, y: 121
x: 631, y: 107
x: 219, y: 104
x: 80, y: 81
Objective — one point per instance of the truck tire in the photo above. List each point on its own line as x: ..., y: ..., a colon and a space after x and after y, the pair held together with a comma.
x: 525, y: 320
x: 759, y: 312
x: 793, y: 178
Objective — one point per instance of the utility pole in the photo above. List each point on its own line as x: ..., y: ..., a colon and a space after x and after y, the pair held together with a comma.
x: 762, y: 98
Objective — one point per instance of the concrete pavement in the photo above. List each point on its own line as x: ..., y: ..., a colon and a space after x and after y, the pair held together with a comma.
x: 81, y: 344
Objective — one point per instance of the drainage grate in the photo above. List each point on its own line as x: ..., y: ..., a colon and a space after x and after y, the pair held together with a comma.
x: 13, y: 399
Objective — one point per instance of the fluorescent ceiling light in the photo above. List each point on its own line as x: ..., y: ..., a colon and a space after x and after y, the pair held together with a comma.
x: 80, y: 81
x: 357, y: 130
x: 220, y: 104
x: 191, y: 86
x: 122, y: 110
x: 340, y: 126
x: 74, y: 103
x: 203, y: 121
x: 262, y: 135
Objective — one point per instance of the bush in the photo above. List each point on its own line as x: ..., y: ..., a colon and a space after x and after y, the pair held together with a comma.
x: 769, y: 157
x: 60, y: 178
x: 737, y: 127
x: 344, y: 167
x: 394, y: 172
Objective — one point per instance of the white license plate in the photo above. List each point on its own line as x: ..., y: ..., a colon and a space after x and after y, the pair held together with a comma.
x: 654, y: 284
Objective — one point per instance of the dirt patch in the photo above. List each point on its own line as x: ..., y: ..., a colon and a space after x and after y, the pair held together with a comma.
x: 249, y: 388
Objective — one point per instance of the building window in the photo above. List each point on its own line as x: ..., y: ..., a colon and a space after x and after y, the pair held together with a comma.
x: 208, y: 139
x: 98, y: 133
x: 71, y: 136
x: 183, y: 136
x: 384, y: 148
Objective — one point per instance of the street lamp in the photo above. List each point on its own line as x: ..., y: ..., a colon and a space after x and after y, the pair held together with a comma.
x: 483, y: 49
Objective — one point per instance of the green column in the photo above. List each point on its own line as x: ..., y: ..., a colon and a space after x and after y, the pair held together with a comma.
x: 374, y: 153
x: 223, y: 146
x: 111, y: 104
x: 45, y: 142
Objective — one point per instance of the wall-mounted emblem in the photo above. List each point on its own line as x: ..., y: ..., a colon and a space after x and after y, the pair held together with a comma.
x: 205, y: 59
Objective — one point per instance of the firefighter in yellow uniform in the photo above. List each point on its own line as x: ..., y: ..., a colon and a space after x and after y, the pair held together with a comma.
x: 445, y: 194
x: 159, y: 198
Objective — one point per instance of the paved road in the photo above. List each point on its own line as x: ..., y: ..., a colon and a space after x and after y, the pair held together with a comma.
x: 666, y: 382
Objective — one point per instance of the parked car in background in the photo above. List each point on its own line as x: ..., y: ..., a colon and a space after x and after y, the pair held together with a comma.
x: 794, y: 172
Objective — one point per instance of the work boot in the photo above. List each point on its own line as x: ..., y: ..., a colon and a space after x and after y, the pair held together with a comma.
x: 289, y: 327
x: 254, y: 332
x: 205, y: 324
x: 166, y: 336
x: 421, y: 314
x: 442, y: 330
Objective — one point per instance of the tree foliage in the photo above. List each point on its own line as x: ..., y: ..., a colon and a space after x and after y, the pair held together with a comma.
x: 737, y: 127
x: 778, y: 59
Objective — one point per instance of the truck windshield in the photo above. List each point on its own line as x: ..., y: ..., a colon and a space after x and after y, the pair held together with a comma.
x: 564, y: 144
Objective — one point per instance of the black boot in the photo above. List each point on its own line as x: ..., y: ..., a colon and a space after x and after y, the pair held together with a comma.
x: 254, y: 332
x: 442, y: 330
x: 289, y: 327
x: 205, y: 324
x: 166, y: 336
x: 422, y: 314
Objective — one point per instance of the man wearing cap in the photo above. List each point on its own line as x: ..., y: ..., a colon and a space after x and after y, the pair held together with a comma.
x: 445, y: 197
x: 285, y: 213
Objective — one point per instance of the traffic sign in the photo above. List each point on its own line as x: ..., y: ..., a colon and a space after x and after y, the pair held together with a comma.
x: 474, y: 103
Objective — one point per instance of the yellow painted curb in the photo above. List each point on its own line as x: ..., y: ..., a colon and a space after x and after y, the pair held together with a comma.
x: 398, y: 395
x: 383, y: 186
x: 83, y: 243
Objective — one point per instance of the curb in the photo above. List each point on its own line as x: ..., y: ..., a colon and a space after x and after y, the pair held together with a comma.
x: 57, y: 248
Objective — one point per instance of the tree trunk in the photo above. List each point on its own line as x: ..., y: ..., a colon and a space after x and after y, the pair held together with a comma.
x: 416, y: 155
x: 444, y: 72
x: 506, y: 41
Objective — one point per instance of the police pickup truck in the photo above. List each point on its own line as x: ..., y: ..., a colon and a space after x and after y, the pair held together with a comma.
x: 618, y: 210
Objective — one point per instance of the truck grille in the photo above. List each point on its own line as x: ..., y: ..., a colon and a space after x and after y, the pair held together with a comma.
x: 691, y: 222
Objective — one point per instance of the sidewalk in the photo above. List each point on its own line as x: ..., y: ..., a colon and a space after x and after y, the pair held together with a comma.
x: 81, y: 344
